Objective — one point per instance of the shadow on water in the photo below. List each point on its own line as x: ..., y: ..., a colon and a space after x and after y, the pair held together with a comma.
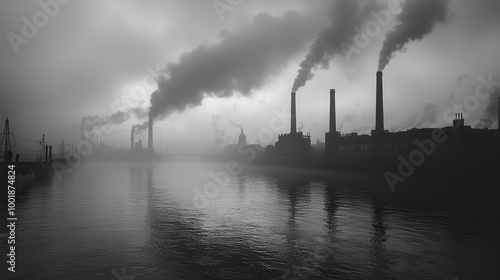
x: 266, y: 224
x: 185, y: 247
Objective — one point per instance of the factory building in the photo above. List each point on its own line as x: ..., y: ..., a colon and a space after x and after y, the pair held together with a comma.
x: 294, y: 146
x: 138, y: 145
x: 457, y: 147
x: 243, y: 151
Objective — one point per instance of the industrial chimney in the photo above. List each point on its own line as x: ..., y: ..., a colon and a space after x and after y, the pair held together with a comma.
x: 132, y: 138
x: 333, y: 120
x: 379, y: 115
x: 150, y: 131
x: 293, y: 125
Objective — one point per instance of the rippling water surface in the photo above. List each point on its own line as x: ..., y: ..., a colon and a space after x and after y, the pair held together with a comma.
x: 107, y: 220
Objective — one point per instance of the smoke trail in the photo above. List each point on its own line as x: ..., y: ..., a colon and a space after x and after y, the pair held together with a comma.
x: 114, y: 119
x: 239, y: 63
x: 429, y: 115
x: 140, y: 129
x: 416, y: 20
x: 235, y: 124
x: 490, y: 114
x: 219, y: 131
x: 345, y: 16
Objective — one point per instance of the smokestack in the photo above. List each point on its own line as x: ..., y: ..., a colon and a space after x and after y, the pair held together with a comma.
x: 50, y: 154
x: 333, y: 120
x: 379, y: 115
x: 498, y: 118
x: 132, y: 138
x: 293, y: 125
x: 150, y: 131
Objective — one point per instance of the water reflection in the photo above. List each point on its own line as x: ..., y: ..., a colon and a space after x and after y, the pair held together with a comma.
x: 260, y: 226
x: 378, y: 238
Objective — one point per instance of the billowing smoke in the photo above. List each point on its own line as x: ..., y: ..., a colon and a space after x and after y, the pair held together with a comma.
x: 416, y: 20
x: 140, y: 129
x: 429, y: 115
x: 307, y: 124
x: 490, y: 114
x: 361, y: 130
x: 235, y: 124
x: 110, y: 121
x: 345, y: 16
x: 240, y: 63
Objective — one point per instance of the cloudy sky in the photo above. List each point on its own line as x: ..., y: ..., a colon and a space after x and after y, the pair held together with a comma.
x: 222, y: 65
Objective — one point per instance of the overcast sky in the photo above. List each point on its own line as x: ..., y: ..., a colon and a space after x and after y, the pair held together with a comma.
x: 227, y: 67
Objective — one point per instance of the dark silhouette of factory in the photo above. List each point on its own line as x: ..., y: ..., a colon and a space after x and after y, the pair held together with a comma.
x: 137, y: 151
x: 137, y: 147
x: 294, y: 146
x: 243, y: 151
x: 458, y: 147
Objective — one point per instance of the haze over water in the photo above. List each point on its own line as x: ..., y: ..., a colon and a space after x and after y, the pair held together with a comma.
x: 106, y: 217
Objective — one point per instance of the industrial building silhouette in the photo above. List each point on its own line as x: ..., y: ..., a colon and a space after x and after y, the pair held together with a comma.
x: 458, y: 147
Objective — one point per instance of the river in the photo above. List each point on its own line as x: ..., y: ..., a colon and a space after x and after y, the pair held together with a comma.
x: 142, y: 221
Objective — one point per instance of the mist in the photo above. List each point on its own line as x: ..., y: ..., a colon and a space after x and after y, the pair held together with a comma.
x: 417, y: 19
x: 240, y: 63
x: 345, y: 16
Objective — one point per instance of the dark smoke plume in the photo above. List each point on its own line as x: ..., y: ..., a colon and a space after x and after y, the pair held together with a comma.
x: 345, y: 16
x: 113, y: 119
x: 416, y: 20
x: 240, y: 63
x: 140, y: 129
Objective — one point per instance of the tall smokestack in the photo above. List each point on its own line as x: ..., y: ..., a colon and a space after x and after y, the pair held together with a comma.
x: 333, y: 120
x: 132, y: 138
x: 50, y: 154
x: 379, y: 115
x: 293, y: 125
x: 150, y: 131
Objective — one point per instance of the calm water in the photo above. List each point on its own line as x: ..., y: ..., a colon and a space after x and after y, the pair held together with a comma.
x: 140, y: 219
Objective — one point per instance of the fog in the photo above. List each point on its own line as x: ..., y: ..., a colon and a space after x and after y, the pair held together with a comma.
x: 223, y: 70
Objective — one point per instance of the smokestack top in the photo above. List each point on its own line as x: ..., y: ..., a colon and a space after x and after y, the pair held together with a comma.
x: 333, y: 120
x: 293, y: 123
x: 379, y: 109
